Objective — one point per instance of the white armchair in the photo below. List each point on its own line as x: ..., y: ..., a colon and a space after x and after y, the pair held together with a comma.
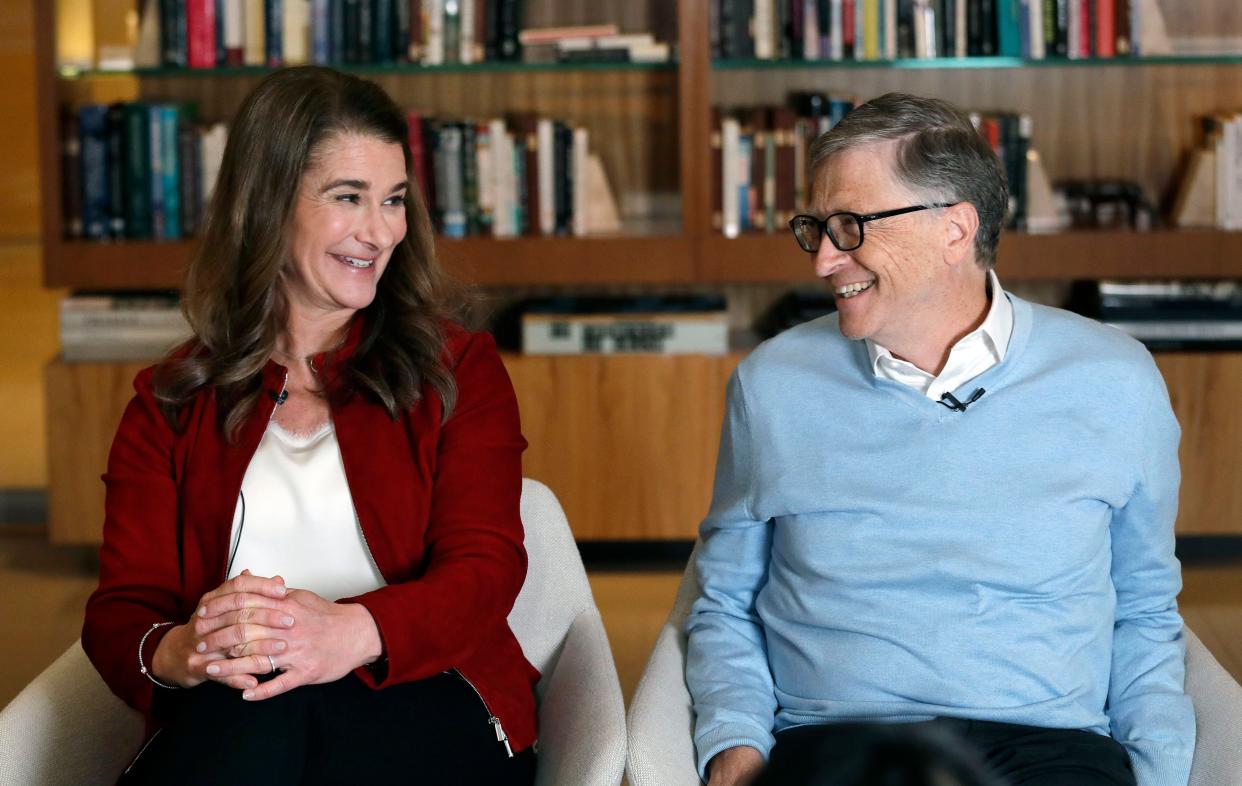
x: 661, y: 718
x: 67, y: 727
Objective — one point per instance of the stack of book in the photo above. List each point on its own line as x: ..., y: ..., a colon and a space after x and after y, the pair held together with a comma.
x: 137, y: 170
x: 761, y: 160
x: 275, y: 33
x: 891, y: 29
x: 1175, y: 315
x: 527, y: 175
x: 590, y: 44
x: 114, y: 327
x: 657, y: 324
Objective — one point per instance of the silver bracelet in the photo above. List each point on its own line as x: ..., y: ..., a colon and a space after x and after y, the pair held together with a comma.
x: 142, y: 667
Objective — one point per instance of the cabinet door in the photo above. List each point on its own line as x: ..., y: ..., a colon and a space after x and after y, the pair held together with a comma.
x: 1206, y: 391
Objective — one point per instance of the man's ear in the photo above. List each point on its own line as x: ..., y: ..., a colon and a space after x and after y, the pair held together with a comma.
x: 961, y: 224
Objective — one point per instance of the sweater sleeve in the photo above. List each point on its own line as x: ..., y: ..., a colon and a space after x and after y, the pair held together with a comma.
x: 475, y: 562
x: 1149, y: 711
x: 726, y: 661
x: 139, y: 575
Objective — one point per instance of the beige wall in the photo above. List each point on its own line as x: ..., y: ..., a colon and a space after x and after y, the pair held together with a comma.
x: 27, y: 311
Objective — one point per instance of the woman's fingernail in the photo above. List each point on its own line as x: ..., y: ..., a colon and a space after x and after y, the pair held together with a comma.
x: 213, y: 669
x: 287, y: 620
x: 202, y: 647
x: 202, y: 611
x: 248, y: 695
x: 280, y: 646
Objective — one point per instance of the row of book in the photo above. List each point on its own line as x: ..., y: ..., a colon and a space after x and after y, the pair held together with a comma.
x: 137, y: 170
x: 1175, y: 314
x: 115, y: 327
x: 526, y: 175
x: 274, y: 33
x: 837, y: 30
x: 761, y: 160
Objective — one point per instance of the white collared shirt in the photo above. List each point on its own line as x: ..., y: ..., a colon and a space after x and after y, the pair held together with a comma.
x: 974, y: 354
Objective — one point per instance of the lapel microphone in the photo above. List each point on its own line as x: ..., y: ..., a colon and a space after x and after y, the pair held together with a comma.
x: 950, y: 401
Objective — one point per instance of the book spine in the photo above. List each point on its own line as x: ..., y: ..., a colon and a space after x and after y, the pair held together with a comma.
x: 579, y: 184
x: 1122, y: 24
x: 1106, y: 28
x: 519, y: 197
x: 510, y: 26
x: 452, y: 31
x: 454, y: 199
x: 745, y: 150
x: 234, y: 32
x: 296, y: 27
x: 764, y: 24
x: 156, y: 172
x: 730, y: 137
x: 1009, y: 28
x: 170, y: 171
x: 139, y: 220
x: 93, y: 130
x: 173, y: 34
x: 221, y: 53
x: 564, y: 177
x: 468, y: 54
x: 200, y: 17
x: 403, y: 22
x: 321, y: 32
x: 1035, y: 29
x: 385, y: 29
x: 433, y: 16
x: 547, y: 176
x: 907, y: 45
x: 717, y: 172
x: 470, y: 186
x: 116, y: 170
x: 188, y: 184
x: 274, y: 29
x: 254, y: 52
x: 351, y: 15
x: 366, y: 31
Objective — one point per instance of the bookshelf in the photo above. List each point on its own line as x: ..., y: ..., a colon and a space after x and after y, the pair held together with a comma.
x: 1093, y: 118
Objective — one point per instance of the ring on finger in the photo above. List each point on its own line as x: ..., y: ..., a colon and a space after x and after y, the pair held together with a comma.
x: 272, y: 662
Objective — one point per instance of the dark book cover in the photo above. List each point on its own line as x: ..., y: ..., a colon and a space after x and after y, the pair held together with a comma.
x: 743, y: 39
x: 96, y: 192
x: 905, y: 29
x: 1123, y: 46
x: 796, y: 32
x: 116, y: 170
x: 366, y: 31
x: 988, y: 28
x: 222, y: 54
x: 138, y: 207
x: 383, y: 24
x: 728, y: 20
x: 946, y: 17
x: 452, y: 31
x: 470, y: 177
x: 433, y: 167
x: 823, y: 16
x: 1062, y: 32
x: 607, y: 55
x: 713, y: 29
x: 563, y: 144
x: 717, y: 156
x: 525, y: 127
x: 491, y: 30
x: 510, y: 26
x: 783, y: 122
x: 757, y: 125
x: 417, y: 43
x: 336, y: 31
x: 401, y: 30
x: 321, y: 32
x: 351, y: 16
x: 274, y: 27
x: 1091, y: 30
x: 784, y: 43
x: 173, y: 35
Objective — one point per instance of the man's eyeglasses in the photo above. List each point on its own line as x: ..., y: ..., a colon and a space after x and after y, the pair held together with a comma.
x: 844, y: 229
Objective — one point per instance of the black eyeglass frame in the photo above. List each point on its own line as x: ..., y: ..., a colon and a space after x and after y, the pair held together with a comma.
x: 859, y: 219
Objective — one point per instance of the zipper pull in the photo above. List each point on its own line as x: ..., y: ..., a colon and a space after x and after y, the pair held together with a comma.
x: 501, y: 737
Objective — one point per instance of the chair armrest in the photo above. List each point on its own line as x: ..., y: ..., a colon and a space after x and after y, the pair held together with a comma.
x: 67, y: 727
x: 582, y: 713
x: 1218, y: 718
x: 661, y: 719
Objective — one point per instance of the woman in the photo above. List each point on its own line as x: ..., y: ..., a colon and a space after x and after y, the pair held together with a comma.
x: 312, y: 538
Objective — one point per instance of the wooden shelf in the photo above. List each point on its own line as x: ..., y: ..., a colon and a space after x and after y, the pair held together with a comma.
x: 626, y: 259
x: 775, y: 258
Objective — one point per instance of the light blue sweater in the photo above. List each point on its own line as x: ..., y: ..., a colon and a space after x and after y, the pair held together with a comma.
x: 871, y: 554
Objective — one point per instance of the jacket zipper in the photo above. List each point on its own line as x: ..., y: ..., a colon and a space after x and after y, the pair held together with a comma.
x: 501, y: 737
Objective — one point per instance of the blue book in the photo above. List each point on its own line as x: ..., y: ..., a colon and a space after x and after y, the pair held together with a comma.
x: 96, y: 188
x: 321, y: 31
x: 1009, y: 28
x: 274, y: 27
x: 745, y: 149
x: 170, y: 170
x: 138, y: 215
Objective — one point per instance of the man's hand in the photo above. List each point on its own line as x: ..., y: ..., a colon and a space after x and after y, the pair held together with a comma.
x: 328, y: 641
x: 734, y: 766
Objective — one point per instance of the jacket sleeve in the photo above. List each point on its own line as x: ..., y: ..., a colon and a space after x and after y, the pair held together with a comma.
x: 139, y: 578
x: 726, y: 660
x: 1149, y: 711
x: 475, y: 560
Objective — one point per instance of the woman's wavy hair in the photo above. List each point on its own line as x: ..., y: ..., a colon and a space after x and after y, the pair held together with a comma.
x: 234, y: 295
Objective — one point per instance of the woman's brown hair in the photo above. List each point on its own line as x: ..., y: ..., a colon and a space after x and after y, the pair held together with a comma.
x: 233, y: 295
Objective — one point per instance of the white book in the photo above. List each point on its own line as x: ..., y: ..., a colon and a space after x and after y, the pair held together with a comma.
x: 836, y: 32
x: 765, y: 29
x: 546, y: 157
x: 1234, y: 173
x: 1035, y: 28
x: 469, y: 52
x: 959, y: 29
x: 254, y: 53
x: 433, y: 24
x: 483, y: 155
x: 730, y: 205
x: 579, y: 163
x: 1074, y: 34
x: 810, y: 30
x: 214, y: 140
x: 234, y: 25
x: 860, y: 29
x: 296, y: 38
x: 499, y: 181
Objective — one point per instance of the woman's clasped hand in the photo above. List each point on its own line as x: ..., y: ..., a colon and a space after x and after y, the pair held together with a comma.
x: 251, y: 625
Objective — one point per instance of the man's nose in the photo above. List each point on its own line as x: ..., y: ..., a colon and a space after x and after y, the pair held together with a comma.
x: 829, y: 260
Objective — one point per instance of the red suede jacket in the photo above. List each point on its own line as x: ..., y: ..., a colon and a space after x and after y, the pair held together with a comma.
x: 437, y: 503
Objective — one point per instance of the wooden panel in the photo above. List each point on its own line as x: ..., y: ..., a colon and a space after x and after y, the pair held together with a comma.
x: 627, y: 443
x: 19, y: 173
x: 84, y: 406
x: 1062, y: 256
x: 1206, y: 389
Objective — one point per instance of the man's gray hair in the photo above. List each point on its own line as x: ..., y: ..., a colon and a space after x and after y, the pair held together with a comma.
x: 942, y: 158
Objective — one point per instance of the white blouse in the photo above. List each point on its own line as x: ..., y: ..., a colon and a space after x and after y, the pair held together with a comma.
x: 295, y: 517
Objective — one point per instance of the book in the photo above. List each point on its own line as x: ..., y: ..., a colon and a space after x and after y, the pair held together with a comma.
x: 254, y: 50
x: 669, y: 324
x: 200, y: 20
x: 233, y: 32
x: 95, y: 178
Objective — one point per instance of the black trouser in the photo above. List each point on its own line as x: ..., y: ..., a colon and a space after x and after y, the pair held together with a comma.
x: 431, y: 732
x: 974, y: 753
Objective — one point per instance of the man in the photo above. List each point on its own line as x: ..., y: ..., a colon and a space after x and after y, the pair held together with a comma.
x: 942, y: 504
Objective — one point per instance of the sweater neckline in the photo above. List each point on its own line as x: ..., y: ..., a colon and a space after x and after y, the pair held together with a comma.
x: 992, y: 380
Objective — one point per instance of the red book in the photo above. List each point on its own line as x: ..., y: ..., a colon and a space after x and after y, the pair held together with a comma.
x: 1084, y: 39
x: 200, y: 23
x: 1105, y: 28
x: 847, y: 25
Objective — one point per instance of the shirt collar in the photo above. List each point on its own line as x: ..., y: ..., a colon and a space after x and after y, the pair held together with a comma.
x: 996, y: 330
